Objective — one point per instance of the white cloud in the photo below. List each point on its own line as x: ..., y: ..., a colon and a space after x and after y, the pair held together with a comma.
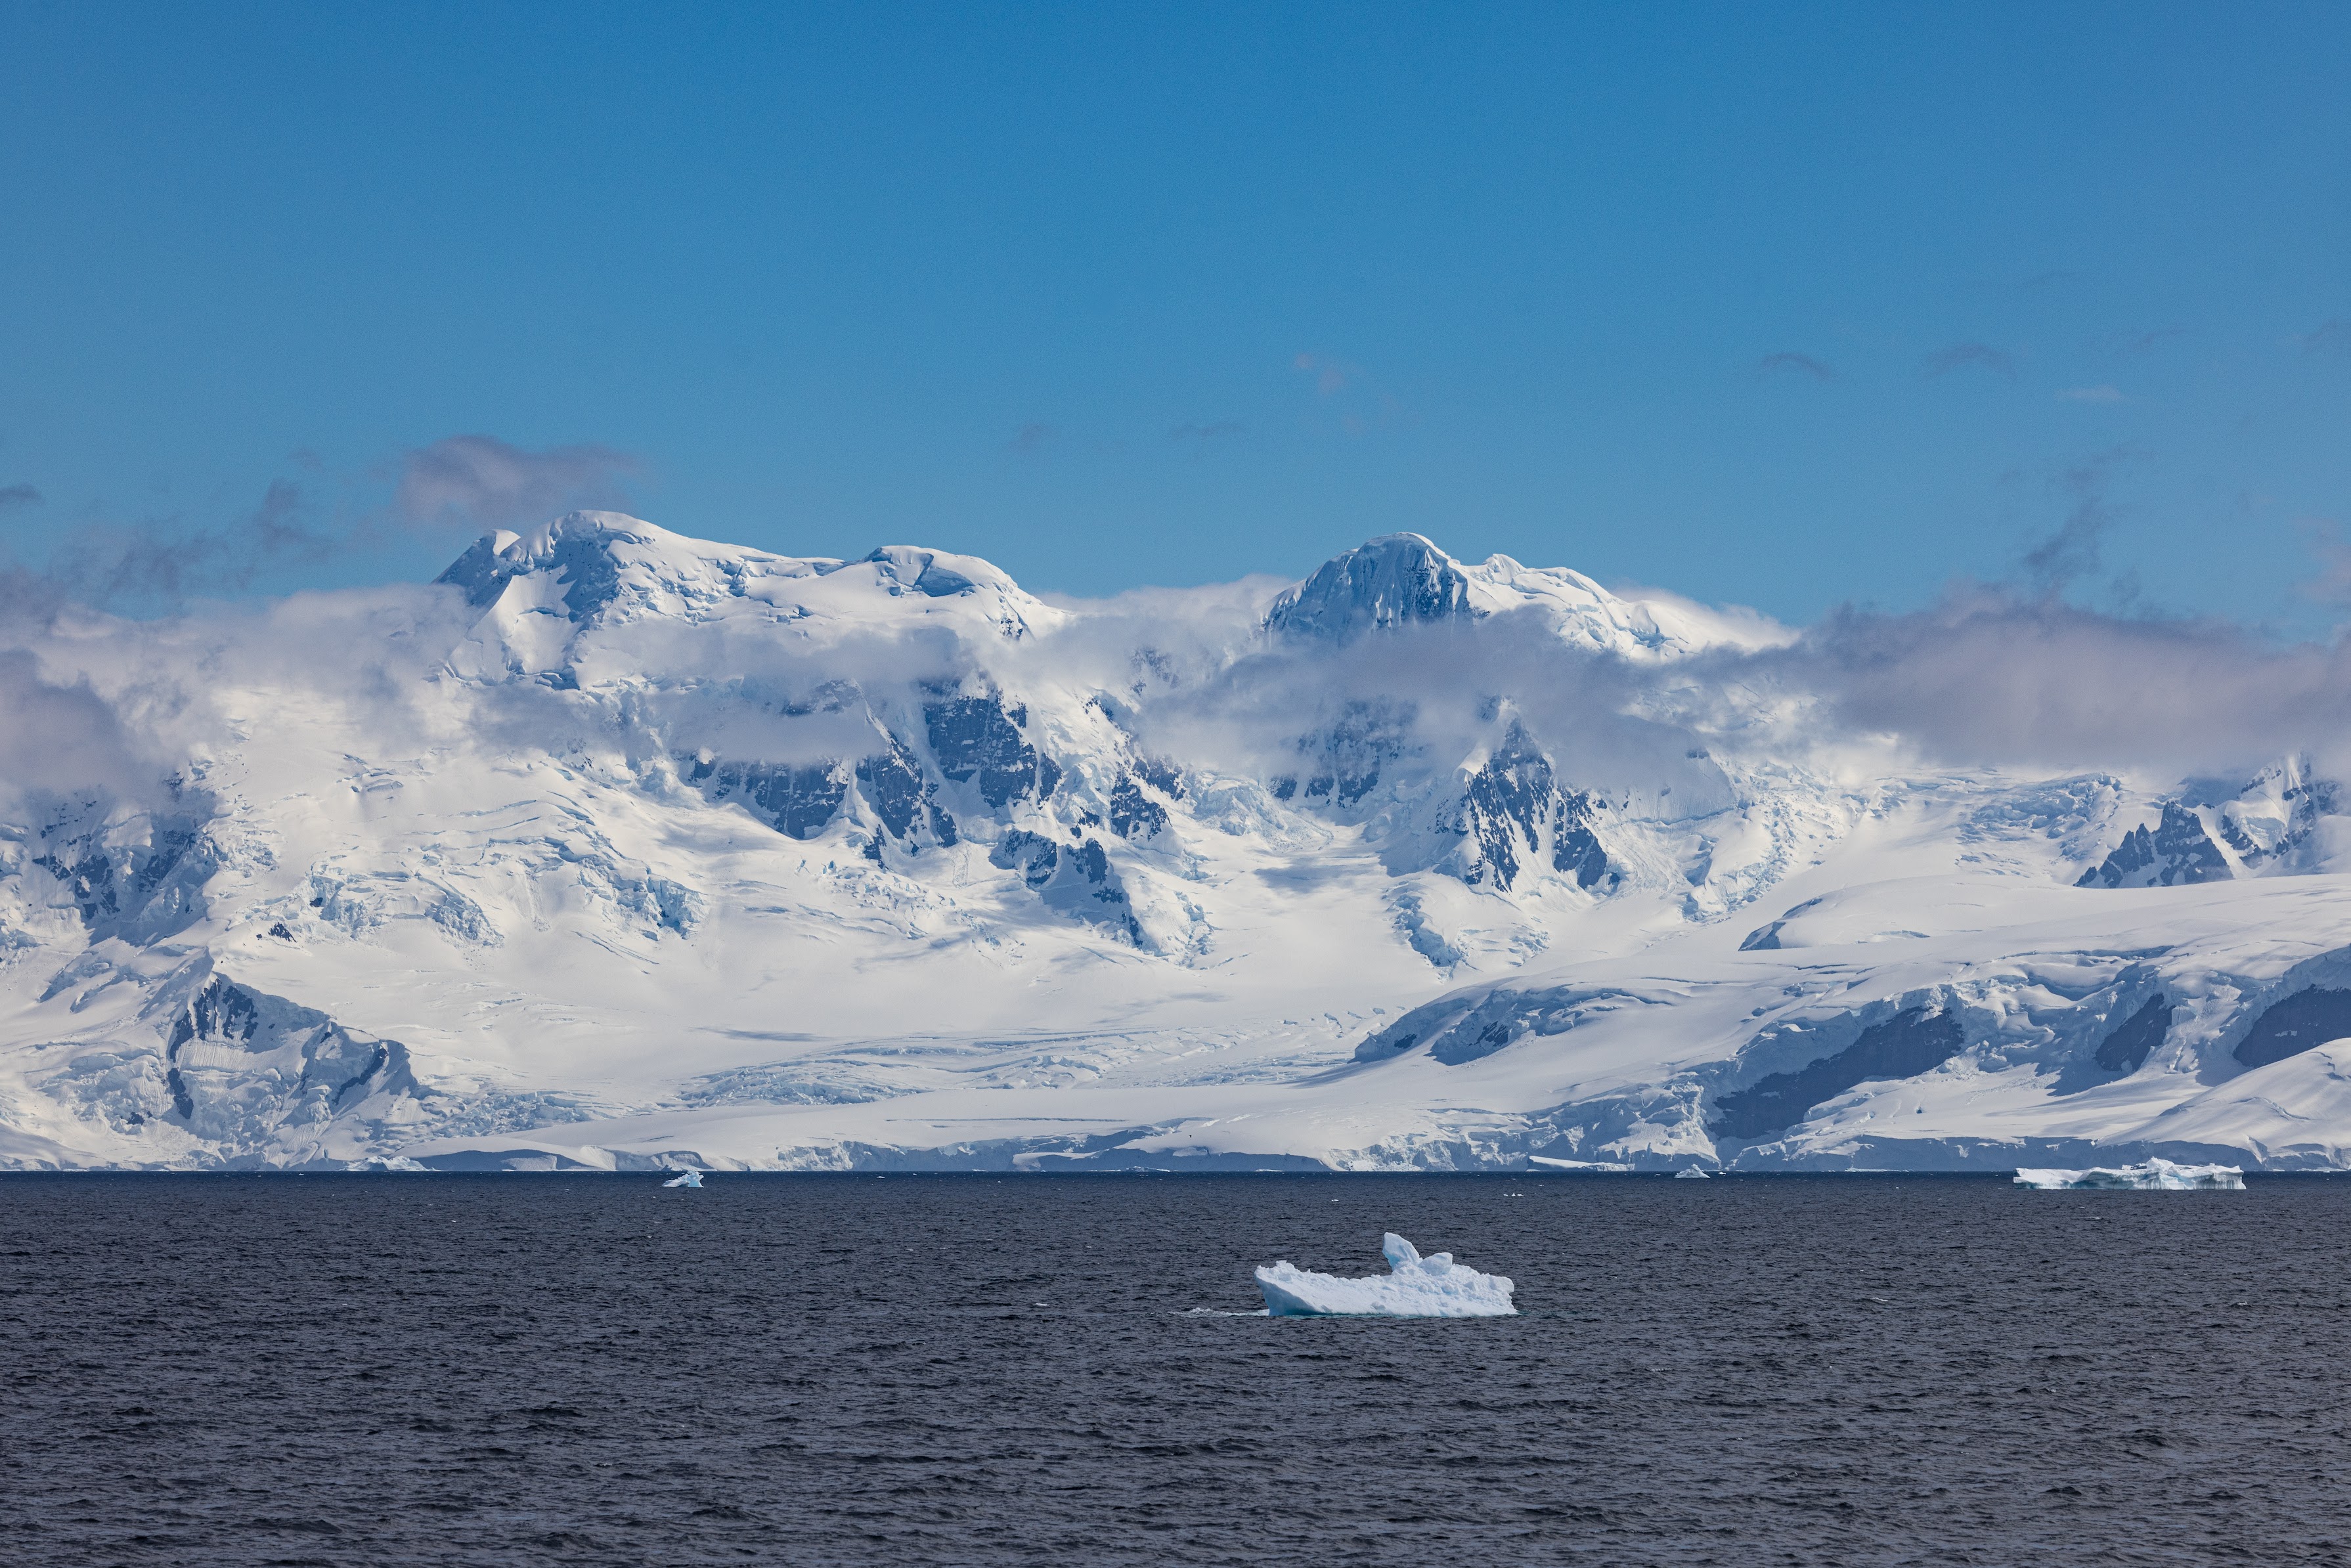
x: 481, y: 482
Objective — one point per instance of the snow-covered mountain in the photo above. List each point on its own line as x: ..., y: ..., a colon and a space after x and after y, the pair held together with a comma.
x: 619, y: 847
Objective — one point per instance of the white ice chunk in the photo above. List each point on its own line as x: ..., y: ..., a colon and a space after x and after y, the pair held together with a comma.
x: 1415, y: 1287
x: 685, y: 1178
x: 386, y: 1162
x: 2155, y: 1176
x: 1691, y: 1172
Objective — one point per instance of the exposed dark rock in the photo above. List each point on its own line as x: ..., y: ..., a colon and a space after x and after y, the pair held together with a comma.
x: 87, y: 877
x: 894, y: 785
x: 225, y: 1102
x: 1503, y: 808
x: 2178, y: 851
x: 1161, y: 775
x: 1398, y: 580
x: 2294, y: 1025
x: 1575, y: 848
x: 979, y: 741
x: 1033, y: 856
x: 2306, y: 799
x: 2136, y: 1037
x: 577, y: 548
x: 1766, y: 938
x: 1077, y: 880
x: 1910, y: 1042
x: 1513, y: 806
x: 1349, y: 755
x: 1133, y: 814
x: 137, y: 892
x: 221, y: 1011
x: 583, y: 555
x: 798, y: 802
x: 481, y: 574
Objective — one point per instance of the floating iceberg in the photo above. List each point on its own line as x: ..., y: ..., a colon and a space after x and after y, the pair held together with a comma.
x: 1691, y: 1172
x: 1417, y: 1287
x: 2155, y: 1176
x: 685, y: 1178
x: 386, y: 1162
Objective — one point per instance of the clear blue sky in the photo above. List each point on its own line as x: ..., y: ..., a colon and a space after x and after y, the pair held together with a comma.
x: 1784, y: 305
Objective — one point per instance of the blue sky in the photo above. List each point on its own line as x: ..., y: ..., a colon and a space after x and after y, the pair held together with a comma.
x: 1790, y: 306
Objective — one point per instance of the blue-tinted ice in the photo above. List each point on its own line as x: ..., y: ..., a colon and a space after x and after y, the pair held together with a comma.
x: 1414, y: 1287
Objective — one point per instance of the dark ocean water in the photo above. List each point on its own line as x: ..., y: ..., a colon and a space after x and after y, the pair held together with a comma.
x: 583, y: 1370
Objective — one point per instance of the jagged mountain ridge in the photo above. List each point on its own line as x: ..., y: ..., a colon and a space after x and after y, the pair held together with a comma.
x: 814, y: 852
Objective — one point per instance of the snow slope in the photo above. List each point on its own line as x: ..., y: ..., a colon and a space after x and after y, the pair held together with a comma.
x: 616, y: 849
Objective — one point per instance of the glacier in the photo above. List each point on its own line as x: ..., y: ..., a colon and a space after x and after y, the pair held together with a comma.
x: 1414, y: 1287
x: 616, y: 850
x: 2155, y: 1175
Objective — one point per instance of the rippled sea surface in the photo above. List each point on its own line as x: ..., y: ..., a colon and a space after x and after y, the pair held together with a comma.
x: 912, y: 1370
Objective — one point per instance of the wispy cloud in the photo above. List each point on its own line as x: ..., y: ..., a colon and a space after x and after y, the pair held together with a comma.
x: 1960, y: 356
x: 2105, y: 392
x: 1792, y: 363
x: 2144, y: 342
x: 13, y: 496
x: 2072, y: 552
x: 2332, y: 585
x: 1987, y: 676
x: 1200, y: 436
x: 1330, y: 375
x: 2329, y: 336
x: 151, y: 566
x: 481, y: 482
x: 1032, y: 438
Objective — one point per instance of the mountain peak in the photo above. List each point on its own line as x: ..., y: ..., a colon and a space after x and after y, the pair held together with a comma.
x: 578, y: 543
x: 935, y: 574
x: 1395, y: 579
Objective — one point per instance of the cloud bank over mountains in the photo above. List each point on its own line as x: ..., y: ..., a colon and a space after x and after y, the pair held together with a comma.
x: 1990, y: 675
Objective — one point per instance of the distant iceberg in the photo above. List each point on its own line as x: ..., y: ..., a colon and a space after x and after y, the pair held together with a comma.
x: 1544, y: 1162
x: 1417, y: 1287
x: 1691, y: 1172
x: 386, y: 1162
x: 685, y: 1178
x: 2155, y: 1176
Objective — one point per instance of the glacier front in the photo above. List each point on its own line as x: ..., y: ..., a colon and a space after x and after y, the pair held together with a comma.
x: 2155, y: 1175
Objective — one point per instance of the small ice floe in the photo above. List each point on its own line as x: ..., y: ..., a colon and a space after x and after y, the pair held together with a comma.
x: 685, y: 1178
x: 1415, y: 1287
x: 387, y: 1162
x: 1691, y: 1172
x: 2155, y: 1176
